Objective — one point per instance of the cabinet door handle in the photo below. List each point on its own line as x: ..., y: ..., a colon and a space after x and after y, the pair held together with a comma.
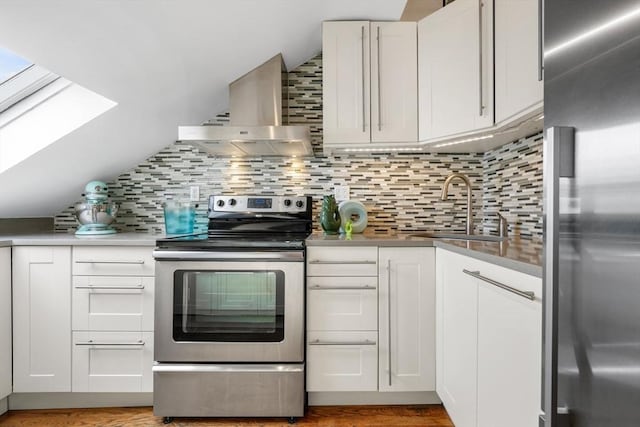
x: 389, y: 315
x: 340, y: 288
x: 134, y: 288
x: 480, y: 55
x: 365, y: 342
x: 363, y: 88
x: 379, y: 74
x: 540, y: 40
x: 123, y: 344
x: 525, y: 294
x: 93, y: 261
x: 315, y: 261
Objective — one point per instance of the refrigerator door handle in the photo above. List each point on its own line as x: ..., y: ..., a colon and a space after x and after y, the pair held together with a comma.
x: 558, y: 162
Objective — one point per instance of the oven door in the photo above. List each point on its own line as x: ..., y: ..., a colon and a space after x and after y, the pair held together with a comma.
x: 247, y: 307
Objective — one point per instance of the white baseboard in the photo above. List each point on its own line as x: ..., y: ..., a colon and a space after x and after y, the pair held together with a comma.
x: 78, y: 400
x: 4, y: 405
x: 373, y: 398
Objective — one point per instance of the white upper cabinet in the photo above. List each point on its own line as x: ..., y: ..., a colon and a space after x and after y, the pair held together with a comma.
x: 345, y: 82
x: 456, y: 69
x: 394, y: 82
x: 369, y: 82
x: 518, y: 80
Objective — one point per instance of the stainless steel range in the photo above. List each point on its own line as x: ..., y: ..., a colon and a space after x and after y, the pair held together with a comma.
x: 229, y: 318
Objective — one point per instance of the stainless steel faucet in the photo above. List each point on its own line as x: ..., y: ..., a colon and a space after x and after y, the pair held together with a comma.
x: 445, y: 194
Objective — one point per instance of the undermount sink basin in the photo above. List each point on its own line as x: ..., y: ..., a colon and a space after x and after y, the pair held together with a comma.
x: 459, y: 236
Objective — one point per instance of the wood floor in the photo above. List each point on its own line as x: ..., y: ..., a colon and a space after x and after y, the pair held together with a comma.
x: 338, y: 416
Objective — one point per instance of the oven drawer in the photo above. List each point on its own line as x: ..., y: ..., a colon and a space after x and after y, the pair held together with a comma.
x: 113, y: 261
x: 204, y: 390
x: 342, y: 261
x: 342, y: 303
x: 112, y: 362
x: 342, y: 361
x: 112, y: 303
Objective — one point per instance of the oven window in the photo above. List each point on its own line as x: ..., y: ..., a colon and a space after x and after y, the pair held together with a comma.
x: 228, y: 306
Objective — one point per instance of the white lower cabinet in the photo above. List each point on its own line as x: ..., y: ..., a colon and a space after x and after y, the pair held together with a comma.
x: 41, y: 318
x: 489, y: 343
x: 5, y: 322
x: 407, y: 319
x: 342, y: 361
x: 112, y: 361
x: 351, y: 338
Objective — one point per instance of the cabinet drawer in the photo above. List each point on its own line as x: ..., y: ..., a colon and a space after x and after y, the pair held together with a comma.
x: 113, y: 261
x: 112, y: 362
x: 342, y: 261
x: 342, y: 303
x: 342, y: 361
x: 112, y: 303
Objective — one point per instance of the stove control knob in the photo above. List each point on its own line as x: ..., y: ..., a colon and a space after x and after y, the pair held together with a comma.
x: 220, y: 203
x: 287, y: 202
x: 232, y: 202
x: 299, y: 203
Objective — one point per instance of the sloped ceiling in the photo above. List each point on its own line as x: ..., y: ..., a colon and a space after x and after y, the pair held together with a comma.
x: 165, y: 62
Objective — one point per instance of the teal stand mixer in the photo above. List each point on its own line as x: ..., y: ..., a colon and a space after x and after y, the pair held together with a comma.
x: 96, y: 214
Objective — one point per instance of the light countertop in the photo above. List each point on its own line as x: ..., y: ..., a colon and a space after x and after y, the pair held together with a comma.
x: 67, y: 239
x: 521, y: 255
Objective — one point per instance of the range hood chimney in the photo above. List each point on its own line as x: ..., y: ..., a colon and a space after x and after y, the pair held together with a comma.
x: 257, y: 125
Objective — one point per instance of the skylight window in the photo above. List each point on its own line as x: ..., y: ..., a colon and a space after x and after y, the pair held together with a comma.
x: 19, y: 78
x: 11, y: 64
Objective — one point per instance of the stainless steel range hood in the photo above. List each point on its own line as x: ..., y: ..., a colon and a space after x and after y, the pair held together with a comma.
x: 257, y: 125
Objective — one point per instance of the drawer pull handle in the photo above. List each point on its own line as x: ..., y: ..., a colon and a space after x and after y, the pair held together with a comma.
x: 340, y: 288
x: 365, y: 342
x: 93, y: 261
x: 525, y: 294
x: 133, y: 288
x: 129, y: 344
x: 315, y: 261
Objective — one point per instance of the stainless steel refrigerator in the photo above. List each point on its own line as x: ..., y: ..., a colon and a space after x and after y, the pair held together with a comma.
x: 592, y: 213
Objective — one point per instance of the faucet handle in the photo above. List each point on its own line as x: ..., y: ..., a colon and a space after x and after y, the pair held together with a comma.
x: 503, y: 226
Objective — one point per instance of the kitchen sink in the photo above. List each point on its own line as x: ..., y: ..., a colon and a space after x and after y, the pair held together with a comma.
x: 459, y: 236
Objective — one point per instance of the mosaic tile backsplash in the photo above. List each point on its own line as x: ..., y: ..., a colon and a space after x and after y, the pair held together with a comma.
x: 401, y: 191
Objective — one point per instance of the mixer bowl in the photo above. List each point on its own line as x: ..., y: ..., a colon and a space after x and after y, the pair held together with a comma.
x: 96, y: 213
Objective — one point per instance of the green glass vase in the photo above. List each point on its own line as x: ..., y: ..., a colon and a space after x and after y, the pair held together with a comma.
x: 329, y: 215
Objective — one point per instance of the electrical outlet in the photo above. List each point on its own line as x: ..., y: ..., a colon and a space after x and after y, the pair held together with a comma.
x: 194, y: 193
x: 341, y: 192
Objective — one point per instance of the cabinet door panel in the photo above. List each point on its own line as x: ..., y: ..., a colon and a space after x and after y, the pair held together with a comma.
x: 342, y: 303
x: 453, y: 84
x: 457, y: 331
x: 516, y: 57
x: 342, y: 367
x: 118, y: 303
x: 407, y: 319
x: 41, y: 319
x: 509, y: 350
x: 346, y: 80
x: 5, y: 322
x: 118, y: 362
x: 394, y: 82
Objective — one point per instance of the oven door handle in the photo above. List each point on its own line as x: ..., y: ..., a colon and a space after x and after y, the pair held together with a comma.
x: 204, y: 368
x: 228, y: 255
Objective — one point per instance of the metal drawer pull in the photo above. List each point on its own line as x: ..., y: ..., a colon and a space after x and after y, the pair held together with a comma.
x: 339, y: 288
x: 134, y: 288
x: 93, y: 261
x: 139, y: 343
x: 315, y: 261
x: 525, y: 294
x: 365, y: 342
